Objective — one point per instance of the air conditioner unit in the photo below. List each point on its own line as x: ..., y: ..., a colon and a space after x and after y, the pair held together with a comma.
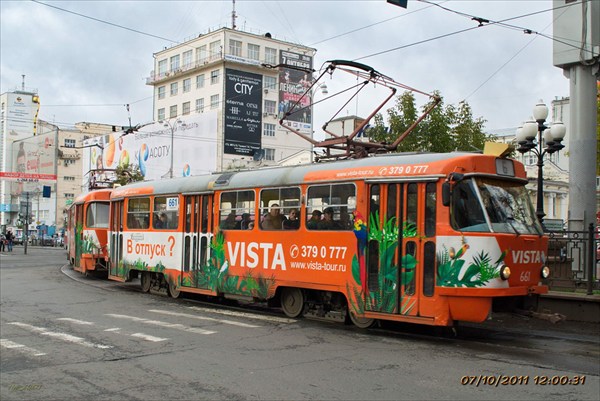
x: 265, y: 114
x: 266, y: 91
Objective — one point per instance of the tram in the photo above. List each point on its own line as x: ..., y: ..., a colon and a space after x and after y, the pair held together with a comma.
x: 423, y: 238
x: 87, y: 231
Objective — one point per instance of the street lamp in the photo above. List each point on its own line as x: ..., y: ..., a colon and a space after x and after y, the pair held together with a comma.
x: 173, y: 127
x: 552, y: 138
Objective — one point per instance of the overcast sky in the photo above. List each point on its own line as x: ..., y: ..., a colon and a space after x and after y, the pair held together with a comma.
x: 86, y: 70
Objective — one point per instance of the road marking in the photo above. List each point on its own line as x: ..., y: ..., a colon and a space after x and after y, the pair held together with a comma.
x: 148, y: 337
x: 210, y: 319
x: 244, y: 315
x: 176, y: 326
x: 20, y: 347
x: 113, y: 329
x: 76, y: 321
x: 61, y: 336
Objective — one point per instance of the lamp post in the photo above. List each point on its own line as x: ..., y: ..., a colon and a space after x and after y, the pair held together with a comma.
x: 552, y: 138
x: 173, y: 127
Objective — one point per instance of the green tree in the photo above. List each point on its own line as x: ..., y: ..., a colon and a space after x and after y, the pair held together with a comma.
x: 446, y: 128
x: 127, y: 174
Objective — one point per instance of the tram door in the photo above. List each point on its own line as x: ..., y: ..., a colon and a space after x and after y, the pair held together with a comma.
x: 78, y: 231
x: 401, y: 251
x: 196, y: 240
x: 116, y: 237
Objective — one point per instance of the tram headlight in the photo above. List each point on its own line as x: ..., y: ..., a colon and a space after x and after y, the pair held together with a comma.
x: 545, y: 272
x: 504, y: 272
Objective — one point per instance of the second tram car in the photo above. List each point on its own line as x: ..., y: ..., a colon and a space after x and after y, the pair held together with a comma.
x: 87, y: 231
x: 421, y: 238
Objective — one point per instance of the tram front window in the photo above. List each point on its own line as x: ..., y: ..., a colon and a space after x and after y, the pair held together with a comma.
x: 485, y: 205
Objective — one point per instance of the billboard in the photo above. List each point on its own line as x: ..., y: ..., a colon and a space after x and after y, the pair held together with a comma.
x: 21, y: 113
x: 243, y: 107
x: 293, y: 83
x: 190, y: 145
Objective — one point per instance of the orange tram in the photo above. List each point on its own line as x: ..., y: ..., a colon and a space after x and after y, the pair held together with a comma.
x: 87, y: 232
x: 422, y: 238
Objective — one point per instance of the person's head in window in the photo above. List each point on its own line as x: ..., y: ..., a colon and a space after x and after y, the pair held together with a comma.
x: 293, y: 214
x: 328, y: 213
x: 163, y: 219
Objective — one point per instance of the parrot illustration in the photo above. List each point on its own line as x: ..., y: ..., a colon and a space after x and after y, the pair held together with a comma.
x: 360, y: 230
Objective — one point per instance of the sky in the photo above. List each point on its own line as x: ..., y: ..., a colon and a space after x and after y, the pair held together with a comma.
x: 88, y: 62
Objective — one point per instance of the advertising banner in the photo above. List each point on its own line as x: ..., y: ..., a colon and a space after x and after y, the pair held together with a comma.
x: 293, y: 83
x: 243, y: 108
x: 190, y: 145
x: 34, y: 160
x: 21, y: 111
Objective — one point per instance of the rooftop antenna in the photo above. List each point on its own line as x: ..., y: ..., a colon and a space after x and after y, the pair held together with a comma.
x: 128, y: 114
x: 23, y: 82
x: 233, y: 16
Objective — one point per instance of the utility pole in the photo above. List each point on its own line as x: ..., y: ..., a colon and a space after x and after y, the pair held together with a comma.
x: 26, y: 225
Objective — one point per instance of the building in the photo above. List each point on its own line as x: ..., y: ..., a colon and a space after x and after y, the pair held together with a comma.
x: 229, y: 71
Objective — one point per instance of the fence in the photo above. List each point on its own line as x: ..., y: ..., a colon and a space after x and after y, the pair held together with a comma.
x: 574, y: 260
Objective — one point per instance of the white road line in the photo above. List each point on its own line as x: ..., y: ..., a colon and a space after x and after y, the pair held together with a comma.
x: 245, y: 315
x: 113, y: 329
x: 210, y: 319
x: 76, y: 321
x: 176, y: 326
x: 61, y: 336
x: 20, y: 347
x: 148, y: 337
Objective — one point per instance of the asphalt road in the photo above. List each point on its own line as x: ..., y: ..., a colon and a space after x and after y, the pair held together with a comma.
x: 64, y: 336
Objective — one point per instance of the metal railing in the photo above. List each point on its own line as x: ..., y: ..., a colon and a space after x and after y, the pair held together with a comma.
x: 573, y: 259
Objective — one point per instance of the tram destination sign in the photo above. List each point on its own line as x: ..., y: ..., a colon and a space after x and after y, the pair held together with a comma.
x: 243, y: 112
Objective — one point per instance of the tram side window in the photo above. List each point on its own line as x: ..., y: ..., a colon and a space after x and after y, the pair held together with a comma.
x: 97, y: 215
x: 236, y: 210
x: 166, y: 213
x: 280, y: 208
x: 466, y: 213
x: 138, y: 213
x: 336, y: 202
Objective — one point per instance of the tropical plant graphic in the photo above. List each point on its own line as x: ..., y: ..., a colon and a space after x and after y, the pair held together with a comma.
x: 383, y: 295
x: 477, y: 274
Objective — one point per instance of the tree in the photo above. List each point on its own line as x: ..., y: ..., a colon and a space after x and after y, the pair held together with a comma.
x: 446, y: 128
x: 127, y: 174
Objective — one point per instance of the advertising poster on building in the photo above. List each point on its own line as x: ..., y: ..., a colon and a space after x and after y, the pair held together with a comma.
x: 293, y: 83
x: 189, y: 145
x: 20, y: 115
x: 33, y: 164
x: 243, y: 108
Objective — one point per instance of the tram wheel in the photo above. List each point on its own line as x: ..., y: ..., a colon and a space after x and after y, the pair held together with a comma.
x: 292, y: 301
x: 173, y: 291
x: 145, y: 281
x: 361, y: 322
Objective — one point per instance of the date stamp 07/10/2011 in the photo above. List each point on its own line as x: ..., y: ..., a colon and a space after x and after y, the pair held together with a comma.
x: 516, y: 380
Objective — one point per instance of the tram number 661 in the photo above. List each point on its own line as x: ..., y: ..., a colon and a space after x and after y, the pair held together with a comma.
x: 525, y: 276
x: 313, y: 251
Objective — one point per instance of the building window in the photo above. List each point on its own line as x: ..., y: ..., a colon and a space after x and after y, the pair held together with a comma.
x: 69, y: 143
x: 161, y: 114
x: 270, y: 106
x: 68, y: 162
x: 162, y: 66
x: 173, y: 111
x: 161, y: 92
x: 175, y: 63
x: 199, y: 81
x: 269, y: 154
x: 200, y: 105
x: 174, y: 89
x: 214, y: 77
x: 69, y: 195
x: 187, y: 85
x: 185, y: 108
x: 69, y: 178
x: 214, y: 50
x: 187, y: 59
x: 253, y: 51
x: 214, y: 101
x: 200, y: 54
x: 269, y: 130
x: 270, y: 82
x: 270, y: 55
x: 235, y: 48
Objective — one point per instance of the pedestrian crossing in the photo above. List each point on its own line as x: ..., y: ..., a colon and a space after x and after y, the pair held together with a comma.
x: 154, y: 319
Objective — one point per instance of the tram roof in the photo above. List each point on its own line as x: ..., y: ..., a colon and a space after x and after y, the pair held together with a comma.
x: 279, y: 176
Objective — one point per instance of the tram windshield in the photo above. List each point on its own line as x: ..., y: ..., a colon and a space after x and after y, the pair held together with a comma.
x: 97, y: 215
x: 490, y: 205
